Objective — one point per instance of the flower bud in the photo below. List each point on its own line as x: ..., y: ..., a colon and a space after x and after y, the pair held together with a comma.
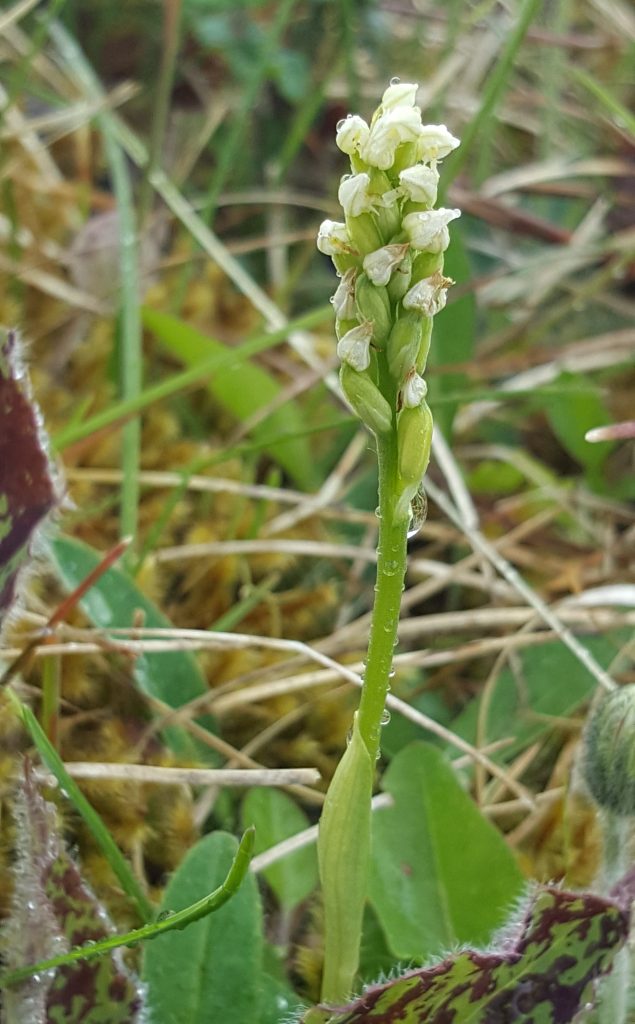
x: 353, y: 195
x: 354, y: 346
x: 399, y: 94
x: 333, y: 238
x: 373, y: 305
x: 428, y: 230
x: 609, y: 751
x: 404, y: 342
x: 397, y: 125
x: 414, y: 438
x: 380, y: 264
x: 343, y: 299
x: 428, y: 296
x: 420, y: 184
x: 414, y: 390
x: 352, y: 132
x: 435, y: 142
x: 366, y: 400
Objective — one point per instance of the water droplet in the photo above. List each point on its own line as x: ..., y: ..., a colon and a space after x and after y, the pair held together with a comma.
x: 378, y: 754
x: 385, y: 716
x: 349, y: 737
x: 340, y: 124
x: 164, y: 915
x: 390, y: 568
x: 391, y: 674
x: 418, y: 512
x: 378, y: 512
x: 395, y: 81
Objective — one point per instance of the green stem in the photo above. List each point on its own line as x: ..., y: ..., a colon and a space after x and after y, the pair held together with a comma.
x: 391, y: 568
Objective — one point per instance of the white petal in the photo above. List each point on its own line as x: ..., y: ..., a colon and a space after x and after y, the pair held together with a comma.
x: 435, y: 142
x: 354, y: 347
x: 401, y: 124
x: 399, y: 94
x: 426, y: 229
x: 379, y: 265
x: 353, y: 195
x: 344, y: 298
x: 420, y: 184
x: 352, y: 131
x: 429, y: 295
x: 414, y: 391
x: 333, y: 238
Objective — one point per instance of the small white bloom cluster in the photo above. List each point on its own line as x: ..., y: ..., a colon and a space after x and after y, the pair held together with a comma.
x: 388, y: 253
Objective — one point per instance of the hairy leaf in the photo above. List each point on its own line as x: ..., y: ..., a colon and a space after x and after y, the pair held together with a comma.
x: 541, y: 970
x: 53, y: 910
x: 28, y: 489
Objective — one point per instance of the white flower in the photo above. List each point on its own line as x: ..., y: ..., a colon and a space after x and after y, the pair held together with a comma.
x: 428, y: 230
x: 379, y: 265
x: 353, y: 195
x: 333, y: 238
x: 354, y: 347
x: 352, y: 131
x: 429, y: 295
x: 399, y: 94
x: 420, y: 184
x: 435, y: 142
x: 344, y: 298
x: 397, y: 125
x: 414, y: 390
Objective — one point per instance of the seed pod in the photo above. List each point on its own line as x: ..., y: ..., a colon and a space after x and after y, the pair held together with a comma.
x: 366, y: 400
x: 414, y: 437
x: 403, y: 345
x: 373, y: 304
x: 609, y: 752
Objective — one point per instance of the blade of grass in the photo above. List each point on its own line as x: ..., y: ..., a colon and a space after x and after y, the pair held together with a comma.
x: 188, y: 378
x: 479, y: 127
x: 100, y: 833
x: 608, y: 101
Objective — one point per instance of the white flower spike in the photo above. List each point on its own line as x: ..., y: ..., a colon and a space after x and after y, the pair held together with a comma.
x: 354, y: 347
x: 397, y: 125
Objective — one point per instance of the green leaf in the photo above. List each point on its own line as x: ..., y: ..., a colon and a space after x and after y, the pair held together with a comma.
x: 575, y: 410
x: 211, y: 971
x: 276, y: 817
x: 452, y: 338
x: 542, y: 971
x: 551, y: 685
x: 243, y: 390
x: 172, y: 676
x: 441, y: 873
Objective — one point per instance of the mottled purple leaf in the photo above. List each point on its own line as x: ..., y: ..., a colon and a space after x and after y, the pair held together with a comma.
x: 28, y: 488
x: 542, y: 970
x: 54, y: 910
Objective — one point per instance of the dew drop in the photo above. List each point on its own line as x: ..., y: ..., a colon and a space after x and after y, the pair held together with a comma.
x: 418, y: 513
x: 164, y: 915
x: 378, y: 512
x: 385, y: 717
x: 390, y: 568
x: 378, y: 754
x: 395, y: 80
x: 340, y: 124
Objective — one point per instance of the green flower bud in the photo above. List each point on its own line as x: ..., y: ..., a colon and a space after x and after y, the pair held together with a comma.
x: 400, y: 281
x: 609, y: 752
x: 414, y: 437
x: 364, y: 233
x: 425, y: 264
x: 424, y: 348
x: 366, y: 400
x: 404, y: 343
x: 373, y: 304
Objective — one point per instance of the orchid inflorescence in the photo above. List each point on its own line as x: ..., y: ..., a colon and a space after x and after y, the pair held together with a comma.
x: 388, y: 254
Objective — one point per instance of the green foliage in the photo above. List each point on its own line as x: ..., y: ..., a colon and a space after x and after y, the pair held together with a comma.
x: 243, y: 389
x: 211, y: 971
x: 441, y: 873
x: 542, y: 970
x: 172, y: 676
x: 571, y: 413
x: 277, y: 817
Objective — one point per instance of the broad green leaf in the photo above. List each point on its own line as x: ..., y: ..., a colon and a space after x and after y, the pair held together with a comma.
x: 210, y: 971
x: 550, y: 685
x: 276, y: 817
x: 243, y: 390
x: 452, y: 337
x: 542, y: 971
x: 172, y: 676
x: 441, y: 873
x: 278, y: 1001
x: 575, y: 410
